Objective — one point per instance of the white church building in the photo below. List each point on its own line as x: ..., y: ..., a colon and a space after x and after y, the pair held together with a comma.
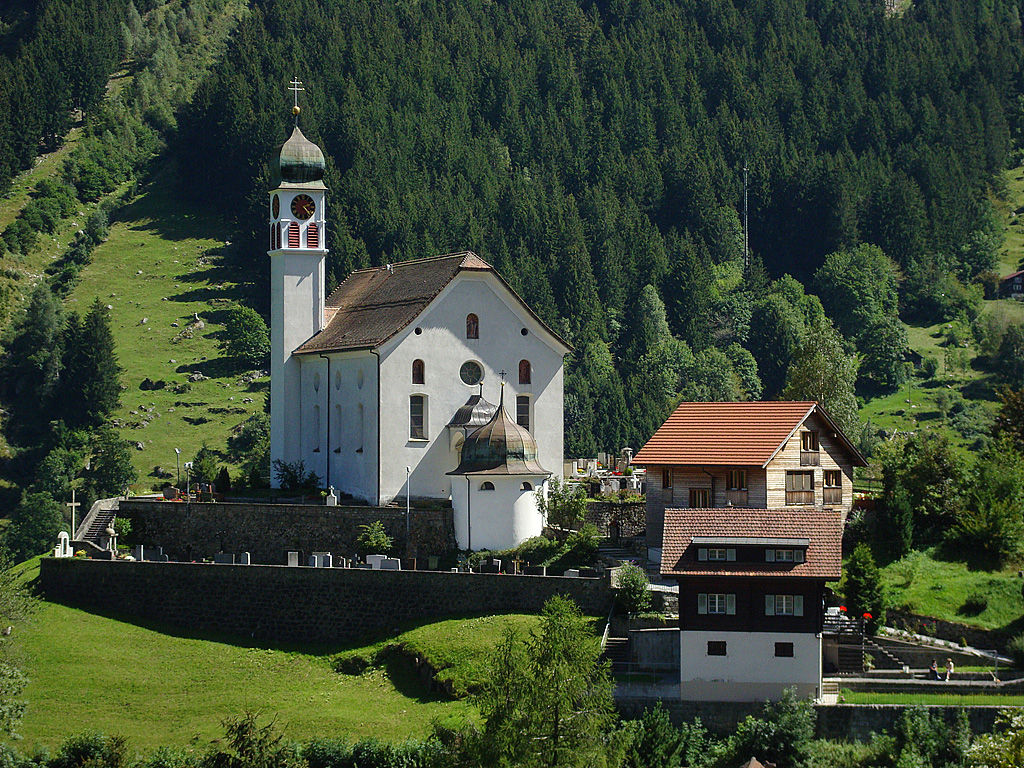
x: 378, y: 386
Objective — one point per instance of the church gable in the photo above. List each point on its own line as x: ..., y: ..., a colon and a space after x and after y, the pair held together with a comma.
x: 373, y: 305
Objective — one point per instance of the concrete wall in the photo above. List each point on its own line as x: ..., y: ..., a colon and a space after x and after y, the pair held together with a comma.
x: 282, y: 604
x: 268, y: 531
x: 843, y: 722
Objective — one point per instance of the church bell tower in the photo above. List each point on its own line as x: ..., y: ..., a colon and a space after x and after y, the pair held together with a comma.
x: 298, y: 245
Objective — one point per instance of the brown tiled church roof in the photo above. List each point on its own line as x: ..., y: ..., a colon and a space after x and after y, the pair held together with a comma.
x: 822, y: 528
x: 731, y: 434
x: 372, y: 305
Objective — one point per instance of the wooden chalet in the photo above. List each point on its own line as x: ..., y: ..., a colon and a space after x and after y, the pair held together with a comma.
x: 749, y: 455
x: 751, y: 598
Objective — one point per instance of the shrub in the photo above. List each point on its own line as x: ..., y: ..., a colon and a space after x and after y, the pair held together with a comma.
x: 634, y: 593
x: 536, y: 550
x: 781, y: 735
x: 246, y: 336
x: 656, y: 743
x: 292, y: 476
x: 373, y: 540
x: 92, y: 749
x: 1015, y: 649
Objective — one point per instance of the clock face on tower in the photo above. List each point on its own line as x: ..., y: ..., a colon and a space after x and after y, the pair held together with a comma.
x: 303, y: 207
x: 275, y: 206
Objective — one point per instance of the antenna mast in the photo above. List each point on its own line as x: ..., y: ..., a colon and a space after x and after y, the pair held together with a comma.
x: 746, y: 257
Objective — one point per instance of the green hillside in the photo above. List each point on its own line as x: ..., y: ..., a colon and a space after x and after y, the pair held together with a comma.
x: 166, y: 261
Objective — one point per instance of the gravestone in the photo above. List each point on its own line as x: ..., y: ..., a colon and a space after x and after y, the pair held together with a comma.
x: 224, y: 558
x: 328, y: 560
x: 332, y: 499
x: 63, y: 548
x: 572, y: 573
x: 391, y: 564
x: 490, y: 568
x: 293, y: 559
x: 375, y: 561
x: 139, y: 552
x: 536, y: 570
x: 244, y: 559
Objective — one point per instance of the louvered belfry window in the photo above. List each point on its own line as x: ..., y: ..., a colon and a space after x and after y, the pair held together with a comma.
x: 293, y: 235
x: 312, y: 235
x: 277, y: 236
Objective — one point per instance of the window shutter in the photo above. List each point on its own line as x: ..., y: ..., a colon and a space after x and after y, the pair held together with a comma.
x: 798, y: 556
x: 702, y: 554
x: 798, y: 605
x: 293, y: 235
x: 730, y: 554
x: 769, y: 555
x: 702, y: 603
x: 769, y: 605
x: 730, y: 604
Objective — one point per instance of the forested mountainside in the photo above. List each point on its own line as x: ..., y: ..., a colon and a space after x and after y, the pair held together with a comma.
x: 594, y: 152
x: 55, y: 57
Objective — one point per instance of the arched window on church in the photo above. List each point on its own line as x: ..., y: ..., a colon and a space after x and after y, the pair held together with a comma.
x: 417, y: 372
x: 524, y: 371
x: 472, y: 326
x: 293, y: 235
x: 488, y: 486
x: 312, y: 235
x: 527, y: 486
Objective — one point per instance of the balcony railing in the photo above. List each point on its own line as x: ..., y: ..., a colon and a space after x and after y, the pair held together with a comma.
x: 809, y: 459
x: 799, y: 497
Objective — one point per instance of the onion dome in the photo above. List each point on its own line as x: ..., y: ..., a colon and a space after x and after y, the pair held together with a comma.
x: 300, y: 161
x: 475, y: 413
x: 499, y: 447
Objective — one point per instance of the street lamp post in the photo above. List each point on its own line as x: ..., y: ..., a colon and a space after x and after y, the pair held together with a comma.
x: 177, y: 466
x: 188, y: 480
x: 408, y: 497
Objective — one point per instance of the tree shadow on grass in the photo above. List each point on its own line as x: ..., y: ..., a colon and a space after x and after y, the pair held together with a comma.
x: 215, y: 368
x: 975, y: 559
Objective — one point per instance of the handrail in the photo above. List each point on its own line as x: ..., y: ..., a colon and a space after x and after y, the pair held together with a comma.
x: 607, y: 628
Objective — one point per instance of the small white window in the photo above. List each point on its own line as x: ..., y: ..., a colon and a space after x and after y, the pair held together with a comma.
x: 527, y: 486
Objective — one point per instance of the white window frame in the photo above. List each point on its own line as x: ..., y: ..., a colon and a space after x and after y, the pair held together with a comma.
x: 784, y: 556
x: 783, y: 605
x: 423, y: 418
x: 716, y: 554
x: 716, y: 604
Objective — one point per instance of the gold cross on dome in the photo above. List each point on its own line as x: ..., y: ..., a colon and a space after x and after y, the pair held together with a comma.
x: 296, y: 88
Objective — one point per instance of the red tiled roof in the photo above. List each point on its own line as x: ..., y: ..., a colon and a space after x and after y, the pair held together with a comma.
x: 822, y: 527
x: 730, y: 434
x: 372, y: 305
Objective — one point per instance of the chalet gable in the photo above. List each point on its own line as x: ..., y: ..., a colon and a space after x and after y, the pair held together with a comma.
x: 737, y: 434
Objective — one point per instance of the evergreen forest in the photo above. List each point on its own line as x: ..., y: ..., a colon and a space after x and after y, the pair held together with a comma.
x: 595, y: 153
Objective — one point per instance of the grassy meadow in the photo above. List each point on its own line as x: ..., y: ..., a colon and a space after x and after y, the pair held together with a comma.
x: 163, y: 264
x: 923, y: 583
x: 159, y: 687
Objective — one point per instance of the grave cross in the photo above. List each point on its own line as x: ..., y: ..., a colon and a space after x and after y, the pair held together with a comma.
x: 73, y: 505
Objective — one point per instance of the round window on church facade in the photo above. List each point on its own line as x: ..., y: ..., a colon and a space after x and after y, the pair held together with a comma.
x: 471, y: 373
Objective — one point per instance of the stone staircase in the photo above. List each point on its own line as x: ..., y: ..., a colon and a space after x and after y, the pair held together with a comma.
x: 616, y: 650
x: 95, y: 524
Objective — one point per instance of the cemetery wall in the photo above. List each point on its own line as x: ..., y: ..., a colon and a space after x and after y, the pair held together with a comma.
x: 300, y: 604
x: 196, y: 530
x: 841, y: 722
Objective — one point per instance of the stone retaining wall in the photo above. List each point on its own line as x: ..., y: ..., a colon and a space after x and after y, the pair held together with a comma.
x: 952, y: 631
x: 282, y: 604
x: 193, y: 531
x: 842, y: 722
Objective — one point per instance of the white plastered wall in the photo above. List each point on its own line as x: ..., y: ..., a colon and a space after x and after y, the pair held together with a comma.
x: 750, y: 671
x: 347, y: 396
x: 496, y: 519
x: 443, y: 346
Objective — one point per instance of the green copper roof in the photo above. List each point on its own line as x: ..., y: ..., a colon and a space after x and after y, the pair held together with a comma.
x: 300, y: 161
x: 499, y: 447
